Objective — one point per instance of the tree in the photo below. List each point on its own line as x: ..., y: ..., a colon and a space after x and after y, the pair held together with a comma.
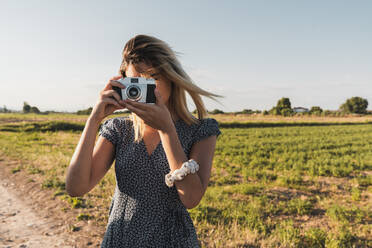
x: 355, y: 105
x: 85, y: 111
x: 283, y: 103
x: 26, y: 107
x: 247, y: 111
x: 283, y: 107
x: 316, y: 110
x: 216, y: 111
x: 5, y: 110
x: 34, y: 110
x: 286, y: 112
x: 274, y: 111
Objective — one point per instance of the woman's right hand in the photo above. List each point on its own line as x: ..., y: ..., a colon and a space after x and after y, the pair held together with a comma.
x: 105, y: 104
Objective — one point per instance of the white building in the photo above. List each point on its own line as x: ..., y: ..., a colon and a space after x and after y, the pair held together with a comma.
x: 300, y: 110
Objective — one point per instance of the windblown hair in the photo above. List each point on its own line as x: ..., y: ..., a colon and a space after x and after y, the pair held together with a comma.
x: 162, y: 60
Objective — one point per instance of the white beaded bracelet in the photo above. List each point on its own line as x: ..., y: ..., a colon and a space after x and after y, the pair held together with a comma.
x: 188, y: 167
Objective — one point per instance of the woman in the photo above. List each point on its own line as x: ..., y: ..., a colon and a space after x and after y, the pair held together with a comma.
x: 149, y: 206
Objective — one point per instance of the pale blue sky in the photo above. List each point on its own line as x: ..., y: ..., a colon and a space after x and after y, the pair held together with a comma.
x: 58, y: 55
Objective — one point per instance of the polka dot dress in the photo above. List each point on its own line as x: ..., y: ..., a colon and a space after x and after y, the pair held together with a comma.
x: 144, y: 211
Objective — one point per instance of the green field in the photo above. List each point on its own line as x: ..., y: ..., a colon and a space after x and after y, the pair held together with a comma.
x: 272, y: 184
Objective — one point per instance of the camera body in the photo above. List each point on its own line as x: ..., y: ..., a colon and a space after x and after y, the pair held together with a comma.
x: 137, y: 89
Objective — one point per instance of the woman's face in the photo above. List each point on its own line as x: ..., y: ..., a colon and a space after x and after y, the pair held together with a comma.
x: 163, y: 85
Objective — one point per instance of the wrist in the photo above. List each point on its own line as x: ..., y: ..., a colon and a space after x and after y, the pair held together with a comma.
x: 168, y: 129
x: 93, y: 120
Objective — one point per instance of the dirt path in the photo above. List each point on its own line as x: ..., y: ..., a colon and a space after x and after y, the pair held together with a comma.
x: 31, y: 217
x: 21, y: 226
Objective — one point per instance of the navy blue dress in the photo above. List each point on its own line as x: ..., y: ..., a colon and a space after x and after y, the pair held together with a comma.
x: 144, y: 211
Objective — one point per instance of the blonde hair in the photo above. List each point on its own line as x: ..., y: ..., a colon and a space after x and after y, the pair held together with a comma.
x: 163, y: 60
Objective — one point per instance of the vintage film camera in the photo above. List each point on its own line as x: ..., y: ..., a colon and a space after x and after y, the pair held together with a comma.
x: 137, y: 89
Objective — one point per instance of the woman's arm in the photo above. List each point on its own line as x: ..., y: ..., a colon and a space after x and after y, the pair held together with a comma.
x: 89, y: 163
x: 192, y: 188
x: 78, y: 172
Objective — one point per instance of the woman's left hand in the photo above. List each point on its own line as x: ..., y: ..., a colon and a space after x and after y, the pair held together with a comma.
x: 155, y: 115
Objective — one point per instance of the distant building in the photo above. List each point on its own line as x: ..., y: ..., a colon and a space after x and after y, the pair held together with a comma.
x: 300, y: 110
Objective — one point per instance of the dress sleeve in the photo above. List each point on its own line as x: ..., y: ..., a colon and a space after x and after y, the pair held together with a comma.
x: 208, y: 127
x: 111, y: 130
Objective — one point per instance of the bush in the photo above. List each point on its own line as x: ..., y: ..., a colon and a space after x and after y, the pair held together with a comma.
x: 85, y: 111
x: 34, y: 110
x: 327, y: 113
x: 316, y: 110
x: 5, y: 110
x: 284, y: 103
x: 30, y: 109
x: 355, y: 105
x: 286, y: 112
x: 26, y: 107
x: 247, y: 111
x: 216, y: 111
x: 283, y: 107
x: 274, y: 111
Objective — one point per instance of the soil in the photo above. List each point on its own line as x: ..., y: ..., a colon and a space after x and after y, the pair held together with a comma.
x: 31, y: 216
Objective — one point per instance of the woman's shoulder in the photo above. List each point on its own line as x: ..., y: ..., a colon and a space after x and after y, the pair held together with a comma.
x: 208, y: 124
x: 208, y: 121
x: 118, y: 121
x: 203, y: 128
x: 204, y: 123
x: 113, y: 129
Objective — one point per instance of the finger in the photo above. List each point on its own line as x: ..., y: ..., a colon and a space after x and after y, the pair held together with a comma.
x: 112, y: 101
x: 139, y: 105
x: 159, y: 99
x: 116, y: 83
x: 108, y: 85
x: 109, y: 93
x: 137, y: 111
x: 116, y: 77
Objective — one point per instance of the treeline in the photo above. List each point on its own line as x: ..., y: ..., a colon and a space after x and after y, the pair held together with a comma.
x: 353, y: 105
x: 27, y: 108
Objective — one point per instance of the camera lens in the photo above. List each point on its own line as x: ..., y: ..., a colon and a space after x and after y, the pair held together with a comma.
x: 133, y: 92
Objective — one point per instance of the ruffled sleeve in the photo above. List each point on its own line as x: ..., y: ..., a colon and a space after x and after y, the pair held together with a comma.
x: 207, y: 127
x: 112, y: 130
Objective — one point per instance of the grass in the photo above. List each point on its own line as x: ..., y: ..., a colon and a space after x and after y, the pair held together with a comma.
x: 348, y: 215
x: 272, y: 185
x: 315, y: 237
x: 84, y: 217
x: 355, y: 194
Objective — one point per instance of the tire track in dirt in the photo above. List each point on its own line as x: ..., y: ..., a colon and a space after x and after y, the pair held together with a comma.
x: 20, y: 226
x: 31, y: 217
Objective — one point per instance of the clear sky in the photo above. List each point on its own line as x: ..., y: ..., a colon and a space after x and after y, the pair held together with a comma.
x: 58, y: 55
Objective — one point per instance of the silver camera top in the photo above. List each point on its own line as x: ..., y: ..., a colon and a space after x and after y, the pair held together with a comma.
x: 133, y: 80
